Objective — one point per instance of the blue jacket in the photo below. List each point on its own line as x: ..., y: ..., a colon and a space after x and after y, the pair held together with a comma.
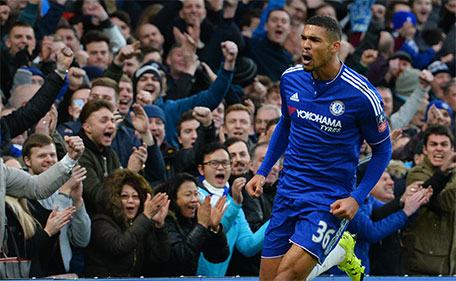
x: 419, y: 59
x: 210, y: 98
x: 238, y: 234
x: 369, y: 232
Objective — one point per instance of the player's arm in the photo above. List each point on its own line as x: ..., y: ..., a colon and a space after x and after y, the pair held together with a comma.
x: 277, y: 145
x: 374, y: 128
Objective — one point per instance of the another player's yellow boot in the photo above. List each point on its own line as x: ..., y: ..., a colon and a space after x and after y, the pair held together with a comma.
x: 351, y: 264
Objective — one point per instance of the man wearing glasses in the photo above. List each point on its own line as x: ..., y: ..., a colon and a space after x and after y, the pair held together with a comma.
x: 214, y: 166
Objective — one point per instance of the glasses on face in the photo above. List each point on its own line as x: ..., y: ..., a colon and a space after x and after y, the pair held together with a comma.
x: 215, y: 163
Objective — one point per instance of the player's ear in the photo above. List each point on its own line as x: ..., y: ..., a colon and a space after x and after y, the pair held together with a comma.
x: 335, y: 46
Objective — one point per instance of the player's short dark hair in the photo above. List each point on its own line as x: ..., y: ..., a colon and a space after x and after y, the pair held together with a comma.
x: 332, y: 27
x: 438, y: 129
x: 208, y: 149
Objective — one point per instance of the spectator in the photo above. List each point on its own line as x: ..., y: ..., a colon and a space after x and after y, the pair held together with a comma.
x: 256, y: 210
x: 70, y: 37
x: 194, y: 227
x: 187, y: 130
x: 96, y: 18
x: 218, y: 116
x: 442, y: 76
x: 277, y: 29
x: 189, y: 14
x: 123, y: 22
x: 273, y: 95
x: 402, y: 117
x: 214, y: 166
x: 369, y: 231
x: 129, y: 233
x: 186, y: 75
x: 149, y: 35
x: 108, y: 90
x: 449, y: 93
x: 238, y: 122
x: 445, y: 112
x: 405, y: 84
x: 183, y: 159
x: 97, y: 46
x: 429, y: 238
x: 20, y: 120
x: 263, y: 115
x: 23, y: 185
x: 98, y: 130
x: 132, y: 64
x: 20, y: 37
x: 72, y: 104
x: 148, y: 78
x: 40, y: 154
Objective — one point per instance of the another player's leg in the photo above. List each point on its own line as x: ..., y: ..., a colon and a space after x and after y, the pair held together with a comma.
x: 295, y: 265
x: 268, y: 268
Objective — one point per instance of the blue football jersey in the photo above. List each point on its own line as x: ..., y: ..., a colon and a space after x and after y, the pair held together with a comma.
x: 329, y: 120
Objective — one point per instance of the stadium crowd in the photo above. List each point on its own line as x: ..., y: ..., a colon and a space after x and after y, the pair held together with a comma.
x: 137, y: 124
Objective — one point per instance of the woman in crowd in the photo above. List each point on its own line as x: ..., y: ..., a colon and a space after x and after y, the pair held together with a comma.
x: 130, y: 232
x: 193, y: 226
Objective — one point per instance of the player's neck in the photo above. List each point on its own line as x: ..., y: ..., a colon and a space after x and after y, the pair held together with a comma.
x: 328, y: 71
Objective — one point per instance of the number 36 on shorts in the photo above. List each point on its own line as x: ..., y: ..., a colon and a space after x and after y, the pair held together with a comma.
x: 323, y: 234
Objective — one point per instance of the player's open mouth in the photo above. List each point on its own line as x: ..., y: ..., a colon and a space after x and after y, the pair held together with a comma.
x: 306, y: 59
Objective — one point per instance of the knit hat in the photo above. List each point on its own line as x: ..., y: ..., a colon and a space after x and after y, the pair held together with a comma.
x: 440, y: 104
x: 245, y: 72
x: 93, y: 71
x: 407, y: 82
x: 438, y: 67
x: 401, y: 55
x: 36, y: 71
x: 146, y: 68
x: 403, y: 16
x: 157, y: 65
x: 154, y: 111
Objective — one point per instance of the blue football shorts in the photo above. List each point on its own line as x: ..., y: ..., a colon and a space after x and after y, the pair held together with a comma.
x: 298, y: 222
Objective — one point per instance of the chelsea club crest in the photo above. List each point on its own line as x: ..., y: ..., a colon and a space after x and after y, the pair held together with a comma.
x: 337, y: 108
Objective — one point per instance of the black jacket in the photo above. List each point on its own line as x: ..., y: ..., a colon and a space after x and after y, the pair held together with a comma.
x: 26, y: 116
x: 188, y: 240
